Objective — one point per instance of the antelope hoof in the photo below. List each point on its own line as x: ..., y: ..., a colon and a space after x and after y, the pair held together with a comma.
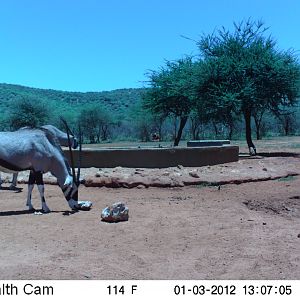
x: 31, y: 208
x: 45, y: 209
x: 73, y: 204
x: 85, y: 205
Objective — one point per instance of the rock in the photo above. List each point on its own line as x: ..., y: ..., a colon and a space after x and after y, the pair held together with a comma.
x: 176, y: 173
x: 140, y: 186
x: 115, y: 213
x: 194, y: 174
x: 245, y: 170
x: 117, y: 169
x: 160, y: 181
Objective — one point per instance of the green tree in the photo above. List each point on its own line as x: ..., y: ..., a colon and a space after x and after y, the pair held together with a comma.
x: 258, y: 114
x: 28, y: 112
x: 287, y: 120
x: 244, y: 72
x: 170, y: 92
x: 95, y: 123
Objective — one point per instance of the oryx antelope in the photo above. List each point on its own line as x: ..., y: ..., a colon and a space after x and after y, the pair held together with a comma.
x: 62, y: 138
x: 38, y: 150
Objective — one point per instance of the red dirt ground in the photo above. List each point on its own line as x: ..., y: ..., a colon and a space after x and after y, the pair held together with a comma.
x: 245, y: 231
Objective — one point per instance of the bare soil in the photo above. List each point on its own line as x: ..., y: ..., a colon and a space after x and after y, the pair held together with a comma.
x: 249, y: 230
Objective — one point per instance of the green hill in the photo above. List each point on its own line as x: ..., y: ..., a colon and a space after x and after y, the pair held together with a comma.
x: 118, y: 102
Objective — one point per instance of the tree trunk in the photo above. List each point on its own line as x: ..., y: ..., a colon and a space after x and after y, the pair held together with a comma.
x: 286, y: 126
x: 175, y: 127
x: 257, y: 122
x: 104, y: 132
x: 197, y: 134
x: 182, y: 123
x: 160, y: 128
x: 247, y: 116
x: 216, y: 129
x: 195, y: 131
x: 194, y: 128
x: 160, y: 133
x: 258, y: 137
x: 230, y: 126
x: 230, y: 131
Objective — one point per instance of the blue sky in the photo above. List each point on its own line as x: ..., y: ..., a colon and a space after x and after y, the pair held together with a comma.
x: 90, y: 45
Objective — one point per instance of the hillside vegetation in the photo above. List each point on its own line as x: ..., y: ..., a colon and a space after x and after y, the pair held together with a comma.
x: 118, y: 102
x: 103, y: 115
x: 127, y: 121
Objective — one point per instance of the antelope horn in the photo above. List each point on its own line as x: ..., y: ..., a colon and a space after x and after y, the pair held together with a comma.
x: 79, y: 156
x: 67, y: 126
x: 70, y: 148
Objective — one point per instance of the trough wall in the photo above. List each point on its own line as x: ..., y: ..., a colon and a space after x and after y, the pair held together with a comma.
x: 156, y: 157
x: 206, y: 143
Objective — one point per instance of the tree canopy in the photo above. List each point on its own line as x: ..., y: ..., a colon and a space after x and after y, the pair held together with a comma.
x: 243, y: 72
x: 171, y: 92
x: 238, y: 74
x: 28, y: 112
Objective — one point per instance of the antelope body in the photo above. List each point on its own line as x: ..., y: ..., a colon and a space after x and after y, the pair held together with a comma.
x: 39, y: 151
x: 62, y: 138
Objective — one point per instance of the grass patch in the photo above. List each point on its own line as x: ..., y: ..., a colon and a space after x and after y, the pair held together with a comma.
x: 288, y: 178
x: 206, y: 184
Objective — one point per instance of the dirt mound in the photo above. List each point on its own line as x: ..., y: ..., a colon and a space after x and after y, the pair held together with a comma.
x: 289, y: 207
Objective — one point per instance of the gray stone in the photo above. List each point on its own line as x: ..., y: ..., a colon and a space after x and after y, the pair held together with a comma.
x: 115, y: 213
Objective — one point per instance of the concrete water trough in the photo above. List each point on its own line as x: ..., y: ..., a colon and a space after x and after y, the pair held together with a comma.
x: 207, y: 143
x: 156, y: 157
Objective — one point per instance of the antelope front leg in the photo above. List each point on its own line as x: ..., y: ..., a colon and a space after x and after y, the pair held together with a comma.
x: 14, y: 181
x: 41, y: 188
x: 31, y: 182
